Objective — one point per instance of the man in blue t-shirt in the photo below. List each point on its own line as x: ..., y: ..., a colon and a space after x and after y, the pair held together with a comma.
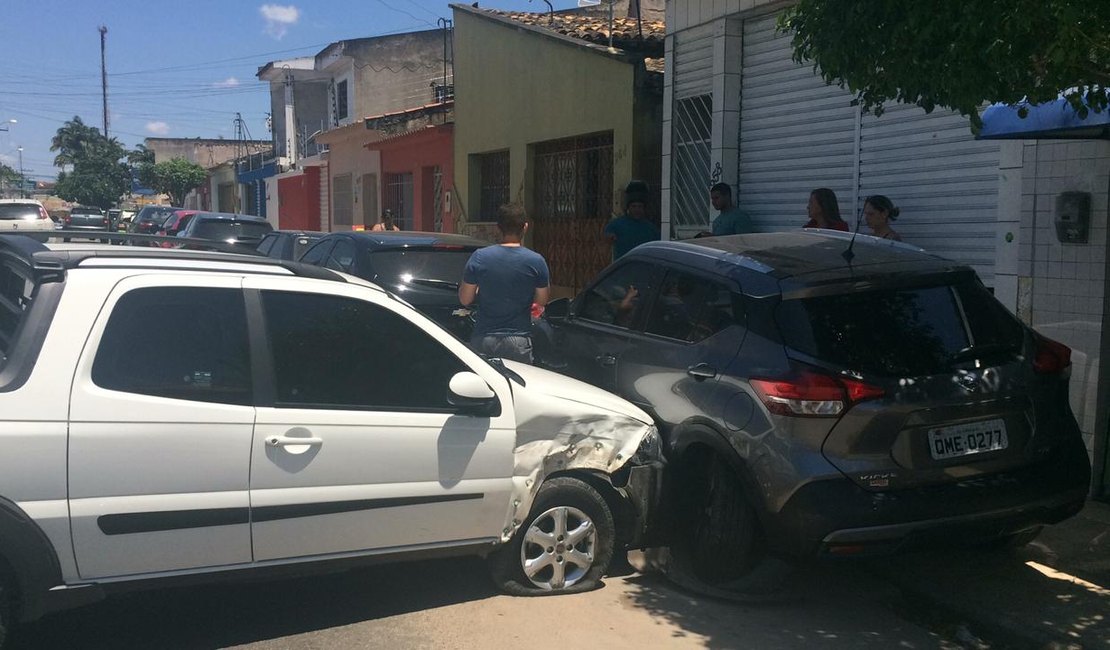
x: 510, y: 279
x: 633, y: 227
x: 730, y: 221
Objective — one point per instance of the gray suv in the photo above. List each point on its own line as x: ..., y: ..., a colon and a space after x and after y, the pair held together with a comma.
x: 816, y: 402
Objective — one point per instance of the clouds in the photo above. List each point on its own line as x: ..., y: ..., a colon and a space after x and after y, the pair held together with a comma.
x: 230, y: 82
x: 279, y: 18
x: 157, y: 128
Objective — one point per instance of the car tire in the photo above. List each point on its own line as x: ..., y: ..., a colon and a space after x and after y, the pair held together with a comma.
x: 583, y: 513
x: 717, y: 537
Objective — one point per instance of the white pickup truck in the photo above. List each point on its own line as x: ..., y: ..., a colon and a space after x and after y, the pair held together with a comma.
x: 170, y: 413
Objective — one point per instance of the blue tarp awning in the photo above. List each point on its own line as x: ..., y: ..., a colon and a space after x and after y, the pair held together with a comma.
x: 1045, y: 121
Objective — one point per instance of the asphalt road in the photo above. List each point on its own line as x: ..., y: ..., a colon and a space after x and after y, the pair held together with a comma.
x: 451, y: 604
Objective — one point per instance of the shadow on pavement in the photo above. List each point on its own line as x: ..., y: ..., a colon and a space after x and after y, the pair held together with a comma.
x: 1054, y: 592
x: 215, y: 616
x: 833, y: 606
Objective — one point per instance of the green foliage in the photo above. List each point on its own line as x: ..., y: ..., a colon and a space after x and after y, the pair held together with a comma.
x: 174, y: 177
x: 98, y: 177
x: 959, y: 54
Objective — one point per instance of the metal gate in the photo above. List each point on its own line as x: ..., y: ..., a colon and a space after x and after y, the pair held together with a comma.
x: 437, y: 198
x: 398, y: 199
x: 573, y: 199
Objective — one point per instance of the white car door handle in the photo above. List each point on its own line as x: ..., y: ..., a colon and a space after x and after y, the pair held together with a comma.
x: 284, y: 441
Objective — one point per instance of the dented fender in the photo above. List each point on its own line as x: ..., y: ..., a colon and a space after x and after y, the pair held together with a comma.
x: 565, y: 425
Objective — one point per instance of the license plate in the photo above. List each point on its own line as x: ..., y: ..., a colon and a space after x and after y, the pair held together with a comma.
x: 967, y: 439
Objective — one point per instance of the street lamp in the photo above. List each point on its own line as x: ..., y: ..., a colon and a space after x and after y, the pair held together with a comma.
x: 5, y: 126
x: 22, y: 181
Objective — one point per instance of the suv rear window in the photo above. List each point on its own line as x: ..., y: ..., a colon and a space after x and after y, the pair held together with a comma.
x: 14, y: 211
x: 900, y: 332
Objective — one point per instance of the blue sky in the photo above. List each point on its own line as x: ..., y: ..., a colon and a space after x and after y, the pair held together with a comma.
x: 175, y: 68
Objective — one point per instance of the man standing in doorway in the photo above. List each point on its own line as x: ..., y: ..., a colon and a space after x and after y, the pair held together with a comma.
x: 510, y: 278
x: 633, y: 227
x: 730, y: 221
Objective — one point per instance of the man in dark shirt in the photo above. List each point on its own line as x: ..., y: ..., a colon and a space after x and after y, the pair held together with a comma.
x: 633, y: 227
x: 510, y: 278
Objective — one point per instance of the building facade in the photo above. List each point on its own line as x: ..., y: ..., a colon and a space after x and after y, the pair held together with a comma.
x: 549, y: 117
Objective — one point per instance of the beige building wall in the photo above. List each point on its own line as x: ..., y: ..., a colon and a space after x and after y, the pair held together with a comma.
x: 348, y: 157
x: 515, y: 88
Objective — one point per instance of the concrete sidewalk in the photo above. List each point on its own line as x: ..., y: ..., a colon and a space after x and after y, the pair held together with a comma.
x: 1054, y: 593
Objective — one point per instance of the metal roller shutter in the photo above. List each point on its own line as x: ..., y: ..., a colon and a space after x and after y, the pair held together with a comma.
x: 944, y: 181
x: 796, y: 133
x: 693, y: 61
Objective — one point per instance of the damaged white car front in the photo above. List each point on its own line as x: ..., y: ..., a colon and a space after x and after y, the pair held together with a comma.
x: 586, y: 479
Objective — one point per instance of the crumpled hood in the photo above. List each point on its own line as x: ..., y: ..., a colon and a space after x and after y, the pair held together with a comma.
x: 564, y: 425
x: 552, y: 385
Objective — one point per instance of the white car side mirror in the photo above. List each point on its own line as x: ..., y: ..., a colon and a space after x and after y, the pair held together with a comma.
x: 467, y: 388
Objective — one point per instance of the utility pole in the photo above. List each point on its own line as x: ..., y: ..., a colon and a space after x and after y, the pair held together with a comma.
x: 104, y: 77
x: 22, y: 180
x: 290, y: 121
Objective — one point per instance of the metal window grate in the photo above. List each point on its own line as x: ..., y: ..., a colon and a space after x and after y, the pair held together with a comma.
x: 398, y: 198
x: 690, y: 161
x: 437, y: 198
x: 494, y: 178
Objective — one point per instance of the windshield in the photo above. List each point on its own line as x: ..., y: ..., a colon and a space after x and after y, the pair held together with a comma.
x: 899, y: 332
x: 222, y: 229
x: 10, y: 211
x: 431, y: 266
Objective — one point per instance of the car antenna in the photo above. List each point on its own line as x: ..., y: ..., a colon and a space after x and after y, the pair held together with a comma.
x: 848, y: 255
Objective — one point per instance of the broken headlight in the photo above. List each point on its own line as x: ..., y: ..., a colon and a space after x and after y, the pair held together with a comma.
x: 651, y: 447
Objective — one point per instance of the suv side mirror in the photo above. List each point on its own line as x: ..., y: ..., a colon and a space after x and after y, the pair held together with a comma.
x: 557, y: 310
x: 471, y: 394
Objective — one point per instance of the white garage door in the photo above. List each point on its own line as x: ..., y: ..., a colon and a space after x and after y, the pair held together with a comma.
x: 797, y: 134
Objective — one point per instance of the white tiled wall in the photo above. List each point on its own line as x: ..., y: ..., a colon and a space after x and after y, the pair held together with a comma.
x: 1063, y: 286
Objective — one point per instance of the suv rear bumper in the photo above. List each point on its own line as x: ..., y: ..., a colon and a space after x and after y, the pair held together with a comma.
x: 837, y: 517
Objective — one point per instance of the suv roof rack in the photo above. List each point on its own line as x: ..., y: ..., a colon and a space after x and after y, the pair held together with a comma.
x: 50, y: 265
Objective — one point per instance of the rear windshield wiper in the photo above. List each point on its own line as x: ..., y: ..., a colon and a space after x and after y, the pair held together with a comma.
x: 984, y: 350
x: 441, y: 284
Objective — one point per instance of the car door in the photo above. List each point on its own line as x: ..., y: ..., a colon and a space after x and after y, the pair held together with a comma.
x: 595, y: 333
x: 692, y: 330
x: 357, y: 448
x: 160, y: 432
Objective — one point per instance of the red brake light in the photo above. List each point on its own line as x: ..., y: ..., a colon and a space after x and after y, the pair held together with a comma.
x: 1052, y: 358
x: 859, y: 391
x: 447, y: 247
x: 811, y: 394
x: 43, y: 214
x: 69, y: 219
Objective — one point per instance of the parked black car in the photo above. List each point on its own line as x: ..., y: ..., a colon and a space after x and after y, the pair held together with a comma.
x: 815, y: 405
x: 423, y: 268
x: 150, y: 218
x: 288, y: 244
x: 240, y: 230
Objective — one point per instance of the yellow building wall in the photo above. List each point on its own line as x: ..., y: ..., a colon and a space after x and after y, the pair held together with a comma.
x: 515, y: 88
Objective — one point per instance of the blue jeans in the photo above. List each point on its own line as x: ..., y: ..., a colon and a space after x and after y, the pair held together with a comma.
x: 514, y: 348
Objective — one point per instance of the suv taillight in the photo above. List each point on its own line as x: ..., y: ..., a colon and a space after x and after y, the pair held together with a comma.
x: 43, y: 214
x: 810, y: 394
x: 1052, y: 358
